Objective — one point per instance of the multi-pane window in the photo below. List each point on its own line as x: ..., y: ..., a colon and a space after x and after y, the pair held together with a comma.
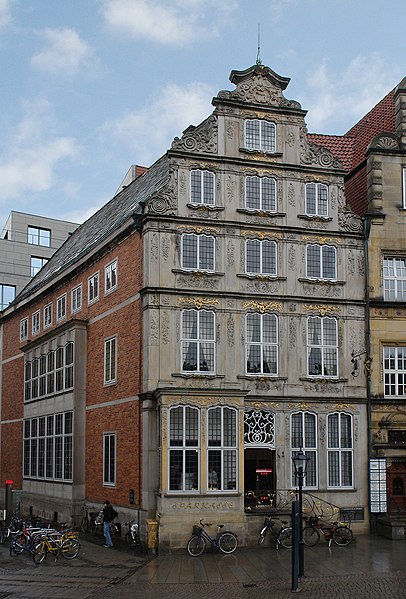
x: 322, y: 346
x: 35, y: 322
x: 198, y: 252
x: 48, y: 447
x: 260, y: 135
x: 394, y: 367
x: 110, y: 276
x: 222, y: 449
x: 316, y: 199
x: 37, y: 236
x: 260, y: 193
x: 198, y: 341
x: 36, y: 264
x: 61, y: 307
x: 202, y: 187
x: 110, y: 360
x: 261, y: 333
x: 93, y: 288
x: 7, y: 294
x: 23, y: 329
x: 76, y: 298
x: 109, y: 459
x: 394, y: 279
x: 184, y: 449
x: 47, y: 316
x: 304, y: 436
x: 260, y: 257
x: 340, y: 450
x: 49, y: 373
x: 321, y: 262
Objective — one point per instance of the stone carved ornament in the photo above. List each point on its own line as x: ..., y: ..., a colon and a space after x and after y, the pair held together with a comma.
x: 314, y: 154
x: 201, y: 139
x: 164, y: 201
x: 259, y: 89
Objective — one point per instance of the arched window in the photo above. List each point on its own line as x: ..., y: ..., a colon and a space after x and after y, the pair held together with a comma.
x: 340, y: 450
x: 303, y: 435
x: 184, y: 448
x: 222, y: 436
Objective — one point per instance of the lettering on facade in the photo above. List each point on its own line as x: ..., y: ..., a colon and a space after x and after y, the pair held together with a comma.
x: 203, y: 505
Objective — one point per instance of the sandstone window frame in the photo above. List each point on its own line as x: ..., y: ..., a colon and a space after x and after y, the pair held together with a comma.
x: 394, y: 278
x: 262, y: 254
x: 340, y: 450
x: 322, y: 345
x: 198, y: 252
x: 317, y: 199
x: 261, y: 344
x: 319, y: 260
x: 198, y: 341
x: 261, y: 193
x: 202, y: 187
x: 260, y: 135
x: 303, y: 436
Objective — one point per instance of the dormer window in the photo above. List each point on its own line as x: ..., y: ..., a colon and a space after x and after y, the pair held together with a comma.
x: 260, y: 135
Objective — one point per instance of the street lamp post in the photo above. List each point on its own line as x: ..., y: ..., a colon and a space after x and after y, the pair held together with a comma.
x: 300, y: 461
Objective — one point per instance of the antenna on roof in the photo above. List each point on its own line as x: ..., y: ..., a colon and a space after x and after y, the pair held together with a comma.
x: 259, y: 45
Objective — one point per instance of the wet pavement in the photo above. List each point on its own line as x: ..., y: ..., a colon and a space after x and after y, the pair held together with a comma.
x: 371, y: 567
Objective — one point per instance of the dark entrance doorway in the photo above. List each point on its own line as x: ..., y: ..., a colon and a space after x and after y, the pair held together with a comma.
x: 396, y: 488
x: 259, y: 476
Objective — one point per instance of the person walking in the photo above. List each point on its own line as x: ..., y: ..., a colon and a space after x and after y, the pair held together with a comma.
x: 108, y: 516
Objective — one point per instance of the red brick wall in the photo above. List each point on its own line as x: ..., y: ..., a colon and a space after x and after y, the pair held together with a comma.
x: 356, y: 192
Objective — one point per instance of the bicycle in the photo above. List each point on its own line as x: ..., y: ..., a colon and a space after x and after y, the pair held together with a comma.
x: 226, y: 541
x: 88, y: 519
x: 282, y: 535
x: 131, y: 537
x: 65, y: 543
x: 7, y: 530
x: 340, y: 534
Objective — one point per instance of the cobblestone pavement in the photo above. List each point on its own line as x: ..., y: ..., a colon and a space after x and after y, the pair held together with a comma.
x: 371, y: 567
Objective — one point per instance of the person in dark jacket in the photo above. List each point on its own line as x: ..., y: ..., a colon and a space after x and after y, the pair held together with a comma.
x: 108, y: 515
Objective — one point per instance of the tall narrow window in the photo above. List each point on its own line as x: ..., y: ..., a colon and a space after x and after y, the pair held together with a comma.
x: 198, y: 341
x: 260, y: 257
x: 321, y: 262
x: 394, y: 279
x: 260, y: 135
x: 23, y: 329
x: 110, y: 276
x: 340, y: 448
x: 110, y: 360
x: 322, y: 346
x: 198, y: 252
x: 261, y: 343
x: 184, y: 449
x: 47, y: 316
x: 202, y: 187
x: 394, y: 365
x: 222, y: 449
x: 69, y: 365
x: 304, y: 436
x: 7, y: 294
x: 61, y: 307
x: 36, y: 322
x: 76, y: 299
x: 109, y: 459
x: 316, y: 199
x: 93, y: 288
x: 260, y: 193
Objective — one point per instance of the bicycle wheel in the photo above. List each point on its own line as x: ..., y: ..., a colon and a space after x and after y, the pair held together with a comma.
x: 311, y: 536
x: 40, y: 552
x: 227, y: 542
x: 19, y: 543
x: 285, y: 538
x: 70, y: 548
x: 262, y: 535
x: 196, y: 546
x: 115, y: 532
x: 342, y: 536
x: 85, y: 524
x: 4, y: 534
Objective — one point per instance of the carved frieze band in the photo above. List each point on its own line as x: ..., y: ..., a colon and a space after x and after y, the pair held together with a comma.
x: 263, y: 307
x: 198, y: 302
x: 262, y: 234
x: 321, y: 240
x: 198, y: 229
x: 322, y: 310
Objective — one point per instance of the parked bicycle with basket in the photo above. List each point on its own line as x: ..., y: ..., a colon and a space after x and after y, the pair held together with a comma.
x: 282, y: 534
x: 340, y: 534
x: 225, y: 541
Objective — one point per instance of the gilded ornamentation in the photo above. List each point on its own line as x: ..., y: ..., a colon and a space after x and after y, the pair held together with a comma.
x: 263, y: 307
x: 321, y: 240
x: 262, y: 234
x: 302, y: 406
x: 198, y: 302
x: 197, y: 229
x: 323, y: 310
x: 342, y: 406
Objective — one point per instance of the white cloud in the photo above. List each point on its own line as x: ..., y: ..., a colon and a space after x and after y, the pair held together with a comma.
x: 64, y: 52
x: 168, y: 22
x: 5, y: 12
x: 347, y: 96
x: 31, y: 155
x: 150, y: 130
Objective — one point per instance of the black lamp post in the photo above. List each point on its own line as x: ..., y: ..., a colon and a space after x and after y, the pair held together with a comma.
x: 300, y: 461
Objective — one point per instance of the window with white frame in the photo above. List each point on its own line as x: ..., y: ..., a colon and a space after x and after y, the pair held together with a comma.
x: 198, y: 341
x: 259, y: 135
x: 7, y: 294
x: 61, y: 307
x: 93, y: 288
x: 222, y: 435
x: 49, y: 373
x: 110, y: 360
x: 260, y: 257
x: 109, y: 459
x: 198, y: 252
x: 23, y: 329
x: 340, y: 450
x: 36, y: 264
x: 110, y: 276
x: 76, y: 298
x: 261, y: 334
x: 48, y: 447
x: 394, y: 279
x: 38, y: 236
x: 303, y: 436
x: 36, y: 322
x: 316, y: 199
x: 394, y: 368
x: 184, y: 448
x: 321, y: 262
x: 260, y: 193
x: 47, y: 316
x: 322, y: 346
x: 202, y: 187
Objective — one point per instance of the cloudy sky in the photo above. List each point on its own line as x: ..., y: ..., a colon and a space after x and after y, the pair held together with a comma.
x: 89, y: 87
